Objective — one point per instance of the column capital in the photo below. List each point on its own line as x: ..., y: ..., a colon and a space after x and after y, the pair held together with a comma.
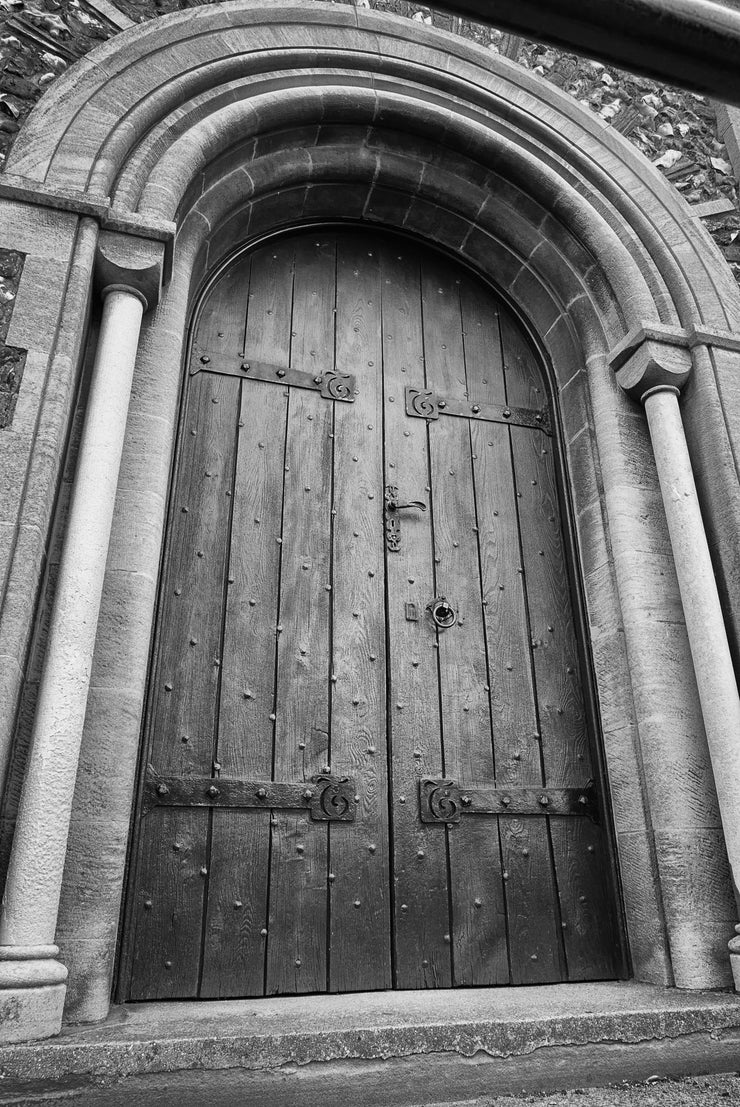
x: 130, y: 263
x: 652, y: 358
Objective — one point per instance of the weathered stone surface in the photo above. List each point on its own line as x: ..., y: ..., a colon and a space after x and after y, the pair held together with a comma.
x: 31, y: 1012
x: 542, y: 1036
x: 577, y: 289
x: 124, y: 261
x: 699, y: 905
x: 12, y: 358
x: 649, y: 947
x: 654, y: 365
x: 32, y: 449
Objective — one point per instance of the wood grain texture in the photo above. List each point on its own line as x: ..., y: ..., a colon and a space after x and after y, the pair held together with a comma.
x: 527, y: 864
x: 359, y: 936
x: 479, y: 931
x: 234, y: 942
x: 421, y: 893
x: 285, y: 648
x: 296, y: 945
x: 167, y: 911
x: 173, y: 848
x: 590, y: 940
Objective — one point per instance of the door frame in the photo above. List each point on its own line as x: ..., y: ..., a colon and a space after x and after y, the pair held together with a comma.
x: 573, y: 570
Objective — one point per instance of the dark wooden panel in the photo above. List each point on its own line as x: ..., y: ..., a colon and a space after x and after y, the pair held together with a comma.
x: 421, y: 904
x: 186, y: 688
x: 529, y: 890
x: 187, y: 677
x: 168, y: 903
x: 587, y: 915
x: 296, y: 945
x: 479, y: 928
x: 360, y: 955
x: 277, y: 601
x: 234, y: 947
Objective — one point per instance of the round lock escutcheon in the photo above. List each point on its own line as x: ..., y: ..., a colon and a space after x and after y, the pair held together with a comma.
x: 442, y: 612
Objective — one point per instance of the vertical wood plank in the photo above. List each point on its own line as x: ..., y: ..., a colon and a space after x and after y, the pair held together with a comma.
x: 234, y: 946
x: 421, y: 894
x: 297, y: 930
x: 587, y: 914
x: 529, y: 888
x: 360, y: 955
x: 173, y: 847
x: 479, y: 930
x: 167, y: 912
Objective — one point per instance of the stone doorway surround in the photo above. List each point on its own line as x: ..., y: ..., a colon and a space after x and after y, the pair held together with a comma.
x: 138, y: 174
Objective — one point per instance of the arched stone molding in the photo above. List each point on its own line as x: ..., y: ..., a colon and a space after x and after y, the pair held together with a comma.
x: 238, y: 120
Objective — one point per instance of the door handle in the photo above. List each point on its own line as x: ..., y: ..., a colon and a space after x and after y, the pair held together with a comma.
x: 412, y: 505
x: 392, y: 521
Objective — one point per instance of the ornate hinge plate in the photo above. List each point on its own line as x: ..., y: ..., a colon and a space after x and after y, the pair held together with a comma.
x: 446, y: 801
x: 331, y: 385
x: 424, y: 404
x: 327, y: 798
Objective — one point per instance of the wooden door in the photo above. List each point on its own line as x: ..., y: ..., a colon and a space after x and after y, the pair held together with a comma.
x: 339, y: 792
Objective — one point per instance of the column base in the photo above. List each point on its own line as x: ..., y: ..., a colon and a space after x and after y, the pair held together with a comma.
x: 29, y: 1014
x: 32, y: 991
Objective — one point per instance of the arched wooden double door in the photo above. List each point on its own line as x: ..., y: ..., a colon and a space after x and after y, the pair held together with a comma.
x: 340, y: 791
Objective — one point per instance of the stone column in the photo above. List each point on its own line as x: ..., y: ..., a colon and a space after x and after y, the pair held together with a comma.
x: 654, y: 374
x: 32, y: 981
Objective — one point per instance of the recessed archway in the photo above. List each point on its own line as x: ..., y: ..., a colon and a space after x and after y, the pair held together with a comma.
x: 228, y: 123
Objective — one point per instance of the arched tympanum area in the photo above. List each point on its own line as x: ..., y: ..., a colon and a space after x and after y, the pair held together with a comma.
x: 215, y: 127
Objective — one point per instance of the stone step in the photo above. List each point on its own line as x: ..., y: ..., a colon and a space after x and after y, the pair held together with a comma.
x: 379, y: 1049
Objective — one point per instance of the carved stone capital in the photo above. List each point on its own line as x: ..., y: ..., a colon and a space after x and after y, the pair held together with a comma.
x: 128, y: 262
x: 652, y: 358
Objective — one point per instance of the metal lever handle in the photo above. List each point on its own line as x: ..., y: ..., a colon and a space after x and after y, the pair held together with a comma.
x: 413, y: 505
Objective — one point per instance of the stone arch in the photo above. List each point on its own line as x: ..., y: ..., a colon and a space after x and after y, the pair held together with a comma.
x: 208, y: 128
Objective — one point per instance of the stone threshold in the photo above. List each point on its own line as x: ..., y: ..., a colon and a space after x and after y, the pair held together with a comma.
x: 380, y: 1048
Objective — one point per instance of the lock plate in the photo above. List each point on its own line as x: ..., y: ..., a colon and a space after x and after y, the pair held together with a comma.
x: 392, y: 521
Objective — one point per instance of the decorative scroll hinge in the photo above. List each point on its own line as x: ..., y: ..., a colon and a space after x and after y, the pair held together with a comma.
x: 331, y: 385
x: 327, y: 798
x: 425, y: 404
x: 446, y: 801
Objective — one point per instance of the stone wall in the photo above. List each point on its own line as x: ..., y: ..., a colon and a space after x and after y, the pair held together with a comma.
x: 675, y: 130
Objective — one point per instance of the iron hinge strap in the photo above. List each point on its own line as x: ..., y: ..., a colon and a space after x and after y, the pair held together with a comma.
x: 446, y: 801
x: 331, y: 385
x: 327, y: 798
x: 424, y: 404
